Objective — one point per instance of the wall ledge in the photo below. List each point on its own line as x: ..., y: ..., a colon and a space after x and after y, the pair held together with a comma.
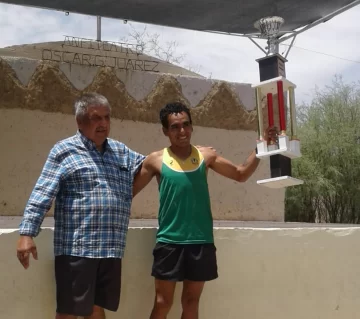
x: 10, y: 224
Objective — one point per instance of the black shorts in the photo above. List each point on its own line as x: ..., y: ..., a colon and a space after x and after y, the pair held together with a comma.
x: 179, y: 262
x: 82, y: 283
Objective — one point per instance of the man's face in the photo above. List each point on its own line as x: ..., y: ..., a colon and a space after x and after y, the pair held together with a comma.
x: 179, y: 130
x: 95, y: 125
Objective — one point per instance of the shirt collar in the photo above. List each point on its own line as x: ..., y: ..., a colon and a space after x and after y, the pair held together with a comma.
x: 90, y: 144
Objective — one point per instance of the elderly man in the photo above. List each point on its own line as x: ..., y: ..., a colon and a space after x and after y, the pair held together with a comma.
x: 90, y: 177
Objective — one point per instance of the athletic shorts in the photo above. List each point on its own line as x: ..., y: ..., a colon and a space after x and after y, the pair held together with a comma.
x: 179, y: 262
x: 82, y: 283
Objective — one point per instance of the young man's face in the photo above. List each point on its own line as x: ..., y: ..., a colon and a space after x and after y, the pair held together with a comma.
x: 179, y: 130
x: 96, y: 124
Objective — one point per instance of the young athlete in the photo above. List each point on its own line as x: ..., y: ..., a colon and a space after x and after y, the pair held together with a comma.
x: 185, y: 249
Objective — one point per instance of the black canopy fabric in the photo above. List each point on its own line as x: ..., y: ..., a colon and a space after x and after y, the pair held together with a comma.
x: 234, y: 16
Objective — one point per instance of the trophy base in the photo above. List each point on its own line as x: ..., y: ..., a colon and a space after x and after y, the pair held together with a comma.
x: 286, y: 147
x: 283, y: 151
x: 280, y: 182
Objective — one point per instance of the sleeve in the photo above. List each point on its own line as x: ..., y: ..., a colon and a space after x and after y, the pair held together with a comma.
x: 42, y: 196
x: 136, y: 160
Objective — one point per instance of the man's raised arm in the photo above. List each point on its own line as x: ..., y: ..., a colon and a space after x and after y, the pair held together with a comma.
x: 241, y: 172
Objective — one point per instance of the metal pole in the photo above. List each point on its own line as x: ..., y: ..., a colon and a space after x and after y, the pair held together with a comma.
x: 324, y: 19
x: 98, y: 38
x: 273, y: 46
x: 253, y: 41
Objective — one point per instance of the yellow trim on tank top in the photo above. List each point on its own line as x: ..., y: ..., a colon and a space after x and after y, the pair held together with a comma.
x: 192, y: 163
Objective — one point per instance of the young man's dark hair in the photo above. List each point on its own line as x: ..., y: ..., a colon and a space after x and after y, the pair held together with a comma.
x: 173, y: 108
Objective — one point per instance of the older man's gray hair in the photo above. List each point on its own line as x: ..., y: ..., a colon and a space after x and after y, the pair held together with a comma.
x: 87, y: 100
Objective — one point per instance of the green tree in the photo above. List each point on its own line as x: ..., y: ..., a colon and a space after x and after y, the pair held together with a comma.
x: 329, y: 131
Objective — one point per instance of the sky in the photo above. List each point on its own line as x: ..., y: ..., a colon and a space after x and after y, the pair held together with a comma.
x: 318, y: 55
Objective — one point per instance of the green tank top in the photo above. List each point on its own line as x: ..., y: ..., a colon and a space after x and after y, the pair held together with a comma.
x: 185, y: 211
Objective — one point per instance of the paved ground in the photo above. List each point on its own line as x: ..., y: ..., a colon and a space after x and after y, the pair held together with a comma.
x: 12, y: 222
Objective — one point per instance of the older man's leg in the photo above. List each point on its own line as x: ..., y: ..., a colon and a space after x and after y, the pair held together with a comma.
x: 75, y: 286
x: 108, y: 287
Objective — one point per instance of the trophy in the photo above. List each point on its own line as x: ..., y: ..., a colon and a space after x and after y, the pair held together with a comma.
x: 285, y: 145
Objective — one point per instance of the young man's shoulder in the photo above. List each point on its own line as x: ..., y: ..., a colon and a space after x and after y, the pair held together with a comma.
x: 155, y: 156
x: 153, y: 160
x: 207, y: 152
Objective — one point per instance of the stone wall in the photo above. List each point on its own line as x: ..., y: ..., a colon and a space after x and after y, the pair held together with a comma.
x: 36, y: 101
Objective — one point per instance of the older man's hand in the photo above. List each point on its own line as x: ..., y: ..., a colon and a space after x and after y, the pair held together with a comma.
x: 25, y: 247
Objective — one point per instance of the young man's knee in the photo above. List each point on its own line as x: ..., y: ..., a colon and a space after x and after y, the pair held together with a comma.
x: 191, y: 295
x: 163, y: 302
x: 190, y: 301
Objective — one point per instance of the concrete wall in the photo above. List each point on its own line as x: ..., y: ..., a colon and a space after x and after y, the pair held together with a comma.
x: 273, y: 273
x: 36, y: 101
x: 28, y: 136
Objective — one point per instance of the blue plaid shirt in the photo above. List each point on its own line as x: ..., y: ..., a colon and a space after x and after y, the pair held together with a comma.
x: 93, y: 196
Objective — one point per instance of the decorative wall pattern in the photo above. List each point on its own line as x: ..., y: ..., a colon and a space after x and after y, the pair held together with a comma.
x: 49, y: 87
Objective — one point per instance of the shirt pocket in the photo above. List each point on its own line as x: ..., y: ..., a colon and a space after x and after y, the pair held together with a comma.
x: 83, y: 179
x: 120, y: 182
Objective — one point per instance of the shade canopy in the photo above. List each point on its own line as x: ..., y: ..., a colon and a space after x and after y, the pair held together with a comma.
x: 233, y: 16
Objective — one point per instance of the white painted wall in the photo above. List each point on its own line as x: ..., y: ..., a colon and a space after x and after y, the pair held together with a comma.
x: 272, y: 273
